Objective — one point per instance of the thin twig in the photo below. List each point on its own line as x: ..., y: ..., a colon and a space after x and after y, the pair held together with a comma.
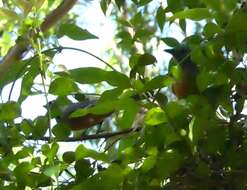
x: 89, y: 137
x: 84, y: 51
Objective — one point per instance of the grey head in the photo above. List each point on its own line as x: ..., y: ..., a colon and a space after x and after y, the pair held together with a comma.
x: 179, y: 52
x: 67, y: 110
x: 182, y: 55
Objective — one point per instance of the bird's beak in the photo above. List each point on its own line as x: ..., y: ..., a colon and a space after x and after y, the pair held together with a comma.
x: 171, y: 51
x: 49, y: 104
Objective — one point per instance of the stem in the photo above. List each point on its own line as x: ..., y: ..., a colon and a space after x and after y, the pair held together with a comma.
x: 89, y: 137
x: 84, y: 51
x: 42, y: 73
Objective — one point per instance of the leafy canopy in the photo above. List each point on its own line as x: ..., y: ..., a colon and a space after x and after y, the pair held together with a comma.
x: 151, y: 138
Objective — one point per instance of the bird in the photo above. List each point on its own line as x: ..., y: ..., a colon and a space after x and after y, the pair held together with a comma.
x: 85, y: 121
x: 186, y: 84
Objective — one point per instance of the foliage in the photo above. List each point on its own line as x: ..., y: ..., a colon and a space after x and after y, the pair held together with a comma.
x: 153, y: 139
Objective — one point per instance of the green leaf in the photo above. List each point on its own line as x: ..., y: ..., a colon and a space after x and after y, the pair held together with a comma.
x: 28, y: 80
x: 8, y: 14
x: 178, y: 111
x: 146, y: 59
x: 172, y: 42
x: 133, y: 60
x: 143, y: 2
x: 208, y: 79
x: 138, y: 62
x: 235, y: 31
x: 197, y: 129
x: 211, y: 29
x: 69, y: 157
x: 9, y: 111
x: 38, y: 4
x: 39, y: 179
x: 148, y: 163
x: 195, y: 14
x: 104, y: 180
x: 168, y: 163
x: 104, y: 5
x: 52, y: 170
x: 161, y: 17
x: 61, y: 131
x: 83, y: 169
x: 93, y: 75
x: 137, y: 18
x: 112, y: 94
x: 182, y: 24
x: 53, y: 150
x: 155, y: 116
x: 24, y: 152
x: 130, y: 110
x: 24, y: 5
x: 101, y: 107
x: 82, y: 152
x: 50, y: 151
x: 158, y: 82
x: 126, y: 37
x: 216, y: 136
x: 63, y: 86
x: 40, y: 126
x: 175, y: 6
x: 26, y: 126
x: 120, y: 3
x: 17, y: 71
x: 138, y: 85
x: 21, y: 172
x: 115, y: 78
x: 75, y: 32
x: 104, y: 107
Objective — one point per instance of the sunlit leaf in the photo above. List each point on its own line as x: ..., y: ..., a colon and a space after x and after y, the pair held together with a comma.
x: 161, y: 17
x: 9, y: 14
x: 158, y: 82
x: 40, y: 127
x: 9, y: 111
x: 63, y: 86
x: 75, y: 32
x: 69, y: 157
x: 172, y: 42
x: 82, y: 152
x: 52, y: 171
x: 92, y: 75
x: 192, y: 14
x: 155, y: 116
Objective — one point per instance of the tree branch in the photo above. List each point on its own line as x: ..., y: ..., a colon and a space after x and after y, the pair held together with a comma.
x: 21, y: 46
x: 89, y: 137
x: 57, y: 14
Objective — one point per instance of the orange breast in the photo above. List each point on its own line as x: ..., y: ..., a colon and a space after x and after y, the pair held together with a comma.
x: 86, y: 121
x: 181, y: 88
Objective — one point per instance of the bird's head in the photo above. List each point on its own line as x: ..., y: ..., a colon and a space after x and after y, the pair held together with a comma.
x: 180, y: 53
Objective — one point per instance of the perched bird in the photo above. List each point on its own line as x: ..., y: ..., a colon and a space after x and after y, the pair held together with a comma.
x: 186, y: 84
x: 81, y: 122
